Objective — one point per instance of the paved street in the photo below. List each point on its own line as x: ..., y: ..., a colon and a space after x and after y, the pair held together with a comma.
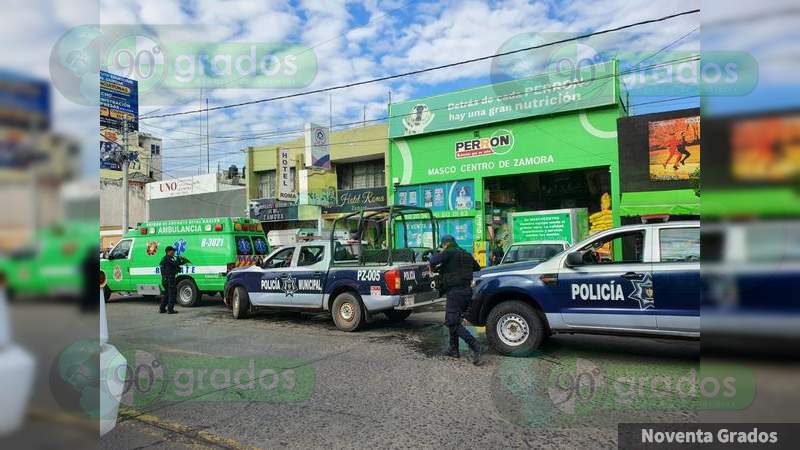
x: 382, y: 386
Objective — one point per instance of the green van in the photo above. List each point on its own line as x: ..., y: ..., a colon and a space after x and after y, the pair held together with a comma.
x: 213, y: 247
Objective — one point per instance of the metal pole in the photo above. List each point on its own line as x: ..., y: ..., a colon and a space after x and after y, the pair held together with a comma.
x: 208, y: 149
x: 124, y: 176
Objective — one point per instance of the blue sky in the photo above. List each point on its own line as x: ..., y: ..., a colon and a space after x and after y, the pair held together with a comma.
x: 355, y: 41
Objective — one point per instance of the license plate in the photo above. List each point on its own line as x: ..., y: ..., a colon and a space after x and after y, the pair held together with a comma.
x: 408, y: 300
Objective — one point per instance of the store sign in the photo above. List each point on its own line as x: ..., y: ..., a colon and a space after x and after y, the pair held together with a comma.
x: 119, y: 102
x: 499, y: 143
x: 542, y: 227
x: 177, y: 187
x: 548, y: 93
x: 272, y: 210
x: 318, y: 152
x: 351, y: 200
x: 285, y: 183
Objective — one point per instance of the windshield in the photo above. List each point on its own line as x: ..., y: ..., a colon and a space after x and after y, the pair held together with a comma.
x: 531, y: 252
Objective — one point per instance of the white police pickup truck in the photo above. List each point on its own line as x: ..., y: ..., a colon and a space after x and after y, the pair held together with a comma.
x: 353, y: 279
x: 649, y: 286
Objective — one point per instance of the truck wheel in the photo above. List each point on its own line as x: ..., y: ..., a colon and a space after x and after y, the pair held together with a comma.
x: 514, y: 328
x: 346, y: 312
x: 107, y: 293
x: 188, y: 294
x: 240, y: 303
x: 397, y: 315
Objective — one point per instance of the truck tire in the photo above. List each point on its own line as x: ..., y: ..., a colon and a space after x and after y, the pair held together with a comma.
x: 346, y: 311
x: 514, y: 328
x: 397, y: 315
x: 107, y: 293
x: 240, y: 303
x: 188, y: 294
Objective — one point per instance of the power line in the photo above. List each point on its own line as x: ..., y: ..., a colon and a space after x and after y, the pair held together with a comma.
x: 689, y: 58
x: 428, y: 69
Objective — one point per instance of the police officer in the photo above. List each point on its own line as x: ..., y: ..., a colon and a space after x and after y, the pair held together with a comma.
x: 170, y: 266
x: 455, y: 267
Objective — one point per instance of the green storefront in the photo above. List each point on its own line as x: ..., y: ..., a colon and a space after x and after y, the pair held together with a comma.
x: 547, y: 142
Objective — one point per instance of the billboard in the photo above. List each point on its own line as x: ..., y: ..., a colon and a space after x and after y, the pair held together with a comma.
x: 674, y: 147
x: 766, y: 149
x: 119, y: 101
x: 24, y: 102
x: 318, y: 152
x: 177, y: 187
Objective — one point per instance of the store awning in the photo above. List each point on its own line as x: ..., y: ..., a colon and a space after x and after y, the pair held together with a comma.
x: 675, y: 202
x: 778, y: 201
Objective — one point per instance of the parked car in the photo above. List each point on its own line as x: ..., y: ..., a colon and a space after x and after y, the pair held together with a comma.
x: 649, y: 287
x: 526, y: 255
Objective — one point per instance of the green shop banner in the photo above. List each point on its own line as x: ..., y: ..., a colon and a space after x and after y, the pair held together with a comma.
x: 543, y: 94
x: 561, y: 142
x: 552, y: 225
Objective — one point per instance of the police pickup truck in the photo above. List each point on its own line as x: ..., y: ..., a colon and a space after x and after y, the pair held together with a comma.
x: 354, y: 279
x: 649, y: 286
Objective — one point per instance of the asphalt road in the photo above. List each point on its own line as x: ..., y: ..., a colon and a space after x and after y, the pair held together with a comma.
x: 384, y: 386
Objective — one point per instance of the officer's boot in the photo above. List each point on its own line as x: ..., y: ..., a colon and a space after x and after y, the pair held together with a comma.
x: 476, y: 352
x: 452, y: 351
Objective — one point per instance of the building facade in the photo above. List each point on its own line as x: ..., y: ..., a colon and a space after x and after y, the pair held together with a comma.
x: 357, y: 179
x: 478, y: 156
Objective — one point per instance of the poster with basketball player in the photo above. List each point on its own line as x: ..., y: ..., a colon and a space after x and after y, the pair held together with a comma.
x: 674, y: 146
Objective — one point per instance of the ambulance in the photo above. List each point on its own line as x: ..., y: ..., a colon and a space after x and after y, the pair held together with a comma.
x: 213, y: 247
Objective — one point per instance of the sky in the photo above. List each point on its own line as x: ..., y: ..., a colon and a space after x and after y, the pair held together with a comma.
x: 353, y: 41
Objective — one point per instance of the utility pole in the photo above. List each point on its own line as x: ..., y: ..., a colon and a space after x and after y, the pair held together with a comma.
x: 208, y: 149
x: 124, y: 176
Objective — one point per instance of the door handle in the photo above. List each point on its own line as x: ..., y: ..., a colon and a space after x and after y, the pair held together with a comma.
x: 318, y: 273
x: 633, y: 275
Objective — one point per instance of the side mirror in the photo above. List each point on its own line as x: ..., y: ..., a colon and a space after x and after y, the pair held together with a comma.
x: 574, y: 259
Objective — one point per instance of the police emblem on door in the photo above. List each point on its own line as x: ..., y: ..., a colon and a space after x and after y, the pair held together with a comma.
x: 288, y: 285
x: 643, y: 292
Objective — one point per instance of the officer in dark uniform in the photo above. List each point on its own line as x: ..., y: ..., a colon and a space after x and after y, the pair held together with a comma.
x: 455, y: 267
x: 170, y: 266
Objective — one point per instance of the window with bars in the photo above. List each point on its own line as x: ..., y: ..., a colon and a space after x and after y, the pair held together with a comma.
x: 360, y: 175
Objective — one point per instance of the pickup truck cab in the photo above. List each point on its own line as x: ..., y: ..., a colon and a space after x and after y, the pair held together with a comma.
x: 650, y: 286
x: 353, y: 279
x: 526, y: 255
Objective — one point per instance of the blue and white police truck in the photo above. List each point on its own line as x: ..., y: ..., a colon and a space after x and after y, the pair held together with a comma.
x: 354, y: 278
x: 649, y: 286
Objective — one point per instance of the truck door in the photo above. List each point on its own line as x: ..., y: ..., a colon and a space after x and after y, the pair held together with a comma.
x: 613, y: 288
x: 278, y: 285
x: 311, y: 272
x: 120, y: 258
x: 676, y: 279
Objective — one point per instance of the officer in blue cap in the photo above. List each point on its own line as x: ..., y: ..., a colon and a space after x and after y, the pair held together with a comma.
x: 455, y: 267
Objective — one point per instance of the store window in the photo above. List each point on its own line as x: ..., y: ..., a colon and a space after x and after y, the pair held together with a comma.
x: 361, y: 175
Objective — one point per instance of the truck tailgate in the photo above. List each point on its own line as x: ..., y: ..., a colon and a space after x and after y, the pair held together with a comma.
x: 415, y: 279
